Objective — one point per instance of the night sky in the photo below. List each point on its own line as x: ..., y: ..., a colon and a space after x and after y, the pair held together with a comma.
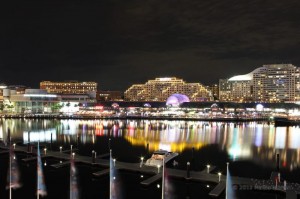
x: 120, y: 42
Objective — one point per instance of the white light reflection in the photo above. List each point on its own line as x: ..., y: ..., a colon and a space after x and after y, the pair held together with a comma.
x: 280, y: 137
x: 42, y: 136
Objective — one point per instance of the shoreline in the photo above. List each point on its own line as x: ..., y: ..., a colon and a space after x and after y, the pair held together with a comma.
x: 90, y: 117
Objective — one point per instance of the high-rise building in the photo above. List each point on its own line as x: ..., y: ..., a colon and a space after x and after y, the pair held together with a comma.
x: 69, y: 87
x: 160, y: 89
x: 214, y: 88
x: 276, y: 83
x: 269, y: 83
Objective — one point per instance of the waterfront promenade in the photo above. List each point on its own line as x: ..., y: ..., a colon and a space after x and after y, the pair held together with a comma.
x: 113, y: 117
x: 238, y: 183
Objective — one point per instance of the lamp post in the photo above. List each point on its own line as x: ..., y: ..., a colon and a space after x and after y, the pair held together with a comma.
x: 14, y: 145
x: 142, y: 160
x: 73, y: 155
x: 188, y: 170
x: 208, y: 166
x: 60, y: 149
x: 93, y: 157
x: 219, y: 174
x: 114, y: 162
x: 158, y: 168
x: 45, y: 150
x: 71, y: 148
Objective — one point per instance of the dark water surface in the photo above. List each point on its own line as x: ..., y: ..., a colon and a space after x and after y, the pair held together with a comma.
x: 250, y: 148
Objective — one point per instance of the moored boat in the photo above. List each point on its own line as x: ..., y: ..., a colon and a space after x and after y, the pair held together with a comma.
x: 158, y: 157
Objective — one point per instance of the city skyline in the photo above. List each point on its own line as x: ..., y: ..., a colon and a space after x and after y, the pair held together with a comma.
x: 108, y: 41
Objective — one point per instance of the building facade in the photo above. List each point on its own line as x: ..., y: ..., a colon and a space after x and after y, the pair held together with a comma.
x: 33, y: 101
x: 214, y: 88
x: 269, y: 83
x: 160, y: 89
x: 2, y: 87
x: 69, y: 87
x: 109, y: 96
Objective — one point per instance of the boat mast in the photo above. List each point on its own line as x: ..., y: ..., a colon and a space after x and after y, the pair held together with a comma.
x: 37, y: 173
x: 227, y: 181
x: 110, y: 173
x: 163, y: 179
x: 10, y: 152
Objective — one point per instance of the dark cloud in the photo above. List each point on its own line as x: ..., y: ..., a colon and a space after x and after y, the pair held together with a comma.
x: 121, y: 42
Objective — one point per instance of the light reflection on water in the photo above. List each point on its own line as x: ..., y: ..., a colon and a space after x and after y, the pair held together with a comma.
x: 252, y: 141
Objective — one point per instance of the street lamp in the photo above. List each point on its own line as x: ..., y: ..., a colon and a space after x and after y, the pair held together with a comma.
x: 71, y: 148
x: 158, y: 167
x: 73, y: 155
x: 208, y: 166
x: 14, y: 145
x: 45, y: 150
x: 114, y: 162
x: 142, y: 159
x: 219, y: 174
x: 188, y: 164
x: 60, y: 149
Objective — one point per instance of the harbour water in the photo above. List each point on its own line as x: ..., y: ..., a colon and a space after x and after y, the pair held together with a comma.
x: 250, y: 148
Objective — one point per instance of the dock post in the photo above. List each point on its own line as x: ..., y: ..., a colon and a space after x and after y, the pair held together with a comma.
x: 277, y: 162
x: 93, y: 157
x: 142, y: 160
x: 193, y: 150
x: 158, y: 168
x: 51, y: 142
x: 28, y: 144
x: 208, y: 166
x: 188, y: 170
x: 109, y: 144
x: 147, y: 148
x: 219, y: 174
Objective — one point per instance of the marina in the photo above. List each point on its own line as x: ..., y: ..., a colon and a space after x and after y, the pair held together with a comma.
x: 57, y: 155
x: 202, y: 176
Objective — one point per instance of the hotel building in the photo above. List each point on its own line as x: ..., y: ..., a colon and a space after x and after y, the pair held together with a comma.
x: 69, y: 87
x: 214, y: 88
x: 269, y: 83
x: 160, y: 89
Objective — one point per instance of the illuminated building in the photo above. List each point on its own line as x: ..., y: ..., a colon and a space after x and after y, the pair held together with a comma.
x: 69, y: 87
x: 177, y: 99
x: 214, y: 88
x: 2, y: 87
x: 32, y: 101
x: 160, y: 89
x: 276, y: 83
x: 269, y: 83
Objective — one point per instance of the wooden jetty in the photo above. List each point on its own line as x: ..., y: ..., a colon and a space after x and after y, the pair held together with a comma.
x: 102, y: 172
x: 218, y: 189
x: 152, y: 179
x: 61, y: 164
